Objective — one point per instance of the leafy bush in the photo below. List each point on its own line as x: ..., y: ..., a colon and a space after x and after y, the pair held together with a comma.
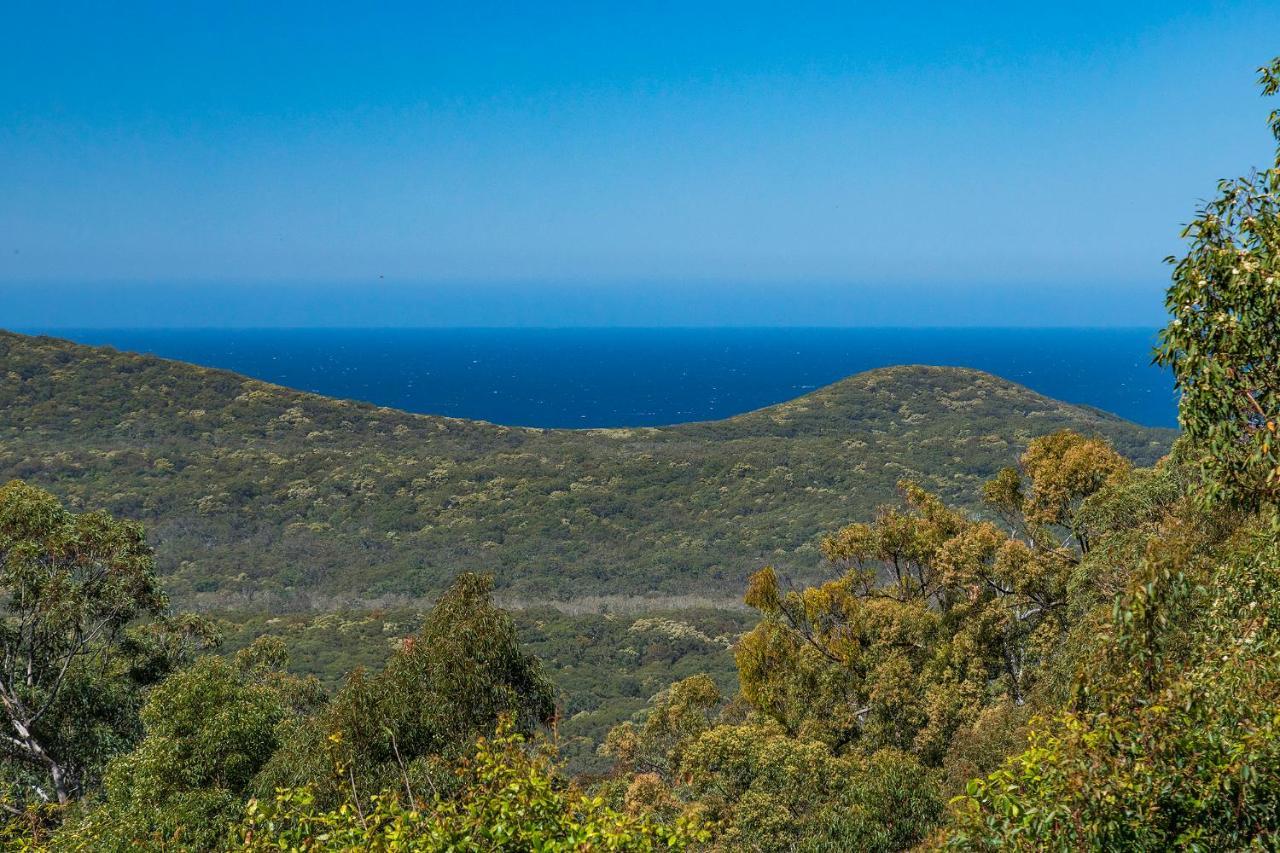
x: 511, y: 799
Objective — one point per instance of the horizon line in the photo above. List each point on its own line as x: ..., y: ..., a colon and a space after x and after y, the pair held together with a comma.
x: 41, y: 329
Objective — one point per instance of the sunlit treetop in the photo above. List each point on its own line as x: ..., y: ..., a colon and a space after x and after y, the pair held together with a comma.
x: 1223, y: 338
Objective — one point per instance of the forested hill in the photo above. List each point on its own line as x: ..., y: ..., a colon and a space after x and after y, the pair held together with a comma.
x: 259, y: 495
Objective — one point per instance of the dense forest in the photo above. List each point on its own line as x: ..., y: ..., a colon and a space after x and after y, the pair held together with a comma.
x: 257, y: 496
x: 333, y: 525
x: 1084, y: 653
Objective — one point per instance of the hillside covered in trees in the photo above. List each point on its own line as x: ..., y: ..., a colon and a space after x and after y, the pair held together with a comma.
x: 261, y: 497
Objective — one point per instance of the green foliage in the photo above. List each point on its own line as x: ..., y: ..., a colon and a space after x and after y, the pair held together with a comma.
x: 264, y: 499
x: 401, y: 728
x: 1175, y: 741
x: 208, y: 731
x: 72, y: 669
x: 1223, y: 341
x: 758, y: 788
x: 511, y: 800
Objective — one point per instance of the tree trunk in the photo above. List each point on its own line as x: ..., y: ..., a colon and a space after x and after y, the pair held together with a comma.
x: 62, y: 782
x: 60, y: 786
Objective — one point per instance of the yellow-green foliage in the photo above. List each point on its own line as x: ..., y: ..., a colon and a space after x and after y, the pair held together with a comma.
x: 936, y: 617
x: 1174, y: 738
x: 757, y: 788
x: 511, y: 800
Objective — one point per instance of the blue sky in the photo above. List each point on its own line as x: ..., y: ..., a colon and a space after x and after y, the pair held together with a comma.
x: 614, y: 164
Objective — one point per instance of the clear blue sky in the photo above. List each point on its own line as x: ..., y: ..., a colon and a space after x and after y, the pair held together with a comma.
x: 607, y: 163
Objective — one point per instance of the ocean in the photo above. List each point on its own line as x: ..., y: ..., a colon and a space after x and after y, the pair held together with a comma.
x: 651, y: 377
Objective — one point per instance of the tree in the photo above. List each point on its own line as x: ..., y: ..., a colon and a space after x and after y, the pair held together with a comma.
x: 209, y: 728
x: 676, y: 716
x: 1223, y: 338
x: 757, y: 788
x: 935, y: 614
x: 1173, y: 741
x: 73, y: 663
x: 401, y: 729
x: 1041, y: 499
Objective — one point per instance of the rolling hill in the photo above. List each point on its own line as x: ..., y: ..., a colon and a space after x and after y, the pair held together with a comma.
x: 259, y: 497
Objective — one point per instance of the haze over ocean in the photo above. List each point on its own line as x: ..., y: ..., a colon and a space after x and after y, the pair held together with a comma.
x: 650, y: 377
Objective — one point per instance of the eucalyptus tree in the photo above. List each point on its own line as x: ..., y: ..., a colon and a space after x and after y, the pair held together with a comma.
x: 83, y: 631
x: 1223, y: 337
x: 401, y: 729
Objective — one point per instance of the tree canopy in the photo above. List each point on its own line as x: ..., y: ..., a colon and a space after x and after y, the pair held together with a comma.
x: 83, y: 630
x: 1223, y: 338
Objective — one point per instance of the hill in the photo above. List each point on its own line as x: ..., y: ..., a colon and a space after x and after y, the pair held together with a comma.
x: 261, y: 497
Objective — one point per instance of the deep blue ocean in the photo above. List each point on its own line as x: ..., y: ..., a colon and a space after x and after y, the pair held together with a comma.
x: 647, y: 377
